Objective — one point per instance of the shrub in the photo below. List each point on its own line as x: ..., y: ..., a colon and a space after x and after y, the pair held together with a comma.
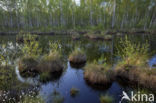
x: 31, y: 48
x: 135, y: 54
x: 106, y: 99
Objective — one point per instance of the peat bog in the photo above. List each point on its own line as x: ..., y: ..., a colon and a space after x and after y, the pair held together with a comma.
x: 64, y: 69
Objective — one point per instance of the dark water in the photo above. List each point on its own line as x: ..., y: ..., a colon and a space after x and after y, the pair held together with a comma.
x: 73, y: 77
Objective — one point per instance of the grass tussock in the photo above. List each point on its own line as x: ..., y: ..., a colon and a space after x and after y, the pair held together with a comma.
x: 106, y: 99
x: 74, y: 92
x: 51, y: 63
x: 135, y: 76
x: 28, y: 66
x: 133, y: 67
x: 50, y: 67
x: 77, y: 57
x: 98, y: 74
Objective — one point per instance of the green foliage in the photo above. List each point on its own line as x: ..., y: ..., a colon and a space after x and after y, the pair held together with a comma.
x: 102, y: 61
x: 1, y: 59
x: 31, y: 46
x: 77, y: 51
x: 133, y: 53
x: 7, y: 53
x: 55, y: 46
x: 39, y: 15
x: 52, y: 56
x: 106, y: 99
x: 7, y: 78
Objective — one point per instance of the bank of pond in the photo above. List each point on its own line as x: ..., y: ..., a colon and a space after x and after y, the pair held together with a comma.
x: 44, y: 75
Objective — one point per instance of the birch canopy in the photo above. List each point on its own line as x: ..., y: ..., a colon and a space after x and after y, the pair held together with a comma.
x: 71, y: 14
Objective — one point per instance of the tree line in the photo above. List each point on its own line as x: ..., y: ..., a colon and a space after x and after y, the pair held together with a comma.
x: 67, y: 14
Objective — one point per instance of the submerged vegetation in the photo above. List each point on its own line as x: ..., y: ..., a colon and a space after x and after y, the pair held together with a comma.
x: 106, y: 99
x: 74, y: 92
x: 57, y: 98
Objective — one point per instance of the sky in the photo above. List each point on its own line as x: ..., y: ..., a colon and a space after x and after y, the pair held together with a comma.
x: 77, y: 2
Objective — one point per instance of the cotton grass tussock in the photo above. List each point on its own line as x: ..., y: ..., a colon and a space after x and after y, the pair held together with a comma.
x: 77, y: 57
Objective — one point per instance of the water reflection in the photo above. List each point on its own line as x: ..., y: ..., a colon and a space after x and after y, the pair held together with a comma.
x: 152, y: 62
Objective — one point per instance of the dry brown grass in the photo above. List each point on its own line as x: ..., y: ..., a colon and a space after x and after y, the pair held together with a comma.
x: 51, y: 63
x: 98, y: 74
x: 28, y: 66
x: 142, y: 76
x: 77, y: 57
